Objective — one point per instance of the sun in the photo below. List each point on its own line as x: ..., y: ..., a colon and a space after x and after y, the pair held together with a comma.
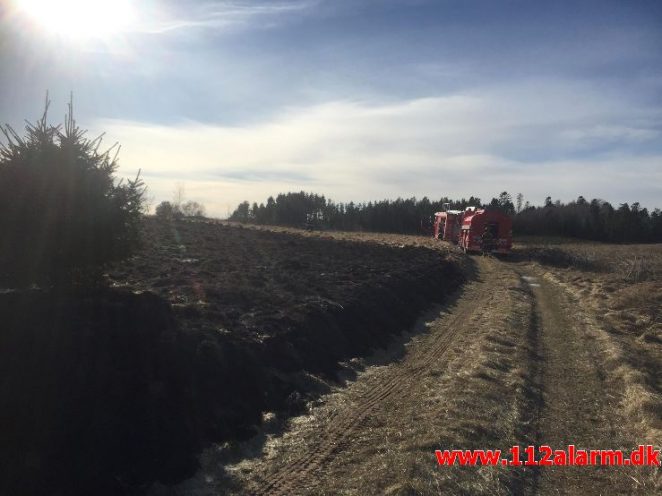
x: 80, y: 19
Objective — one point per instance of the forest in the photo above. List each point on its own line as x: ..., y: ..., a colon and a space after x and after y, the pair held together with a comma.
x: 595, y: 220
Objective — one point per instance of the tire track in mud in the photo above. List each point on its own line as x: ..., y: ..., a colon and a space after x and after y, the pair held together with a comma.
x: 344, y: 424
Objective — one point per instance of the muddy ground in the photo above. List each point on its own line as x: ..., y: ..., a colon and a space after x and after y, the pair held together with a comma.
x: 190, y: 343
x: 275, y: 312
x: 92, y: 399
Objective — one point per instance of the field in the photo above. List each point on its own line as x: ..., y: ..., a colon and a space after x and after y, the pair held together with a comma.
x: 193, y: 339
x: 527, y: 352
x: 304, y: 302
x: 224, y: 359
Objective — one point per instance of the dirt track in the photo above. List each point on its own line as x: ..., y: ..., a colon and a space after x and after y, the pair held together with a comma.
x: 577, y: 408
x: 345, y: 425
x: 506, y: 362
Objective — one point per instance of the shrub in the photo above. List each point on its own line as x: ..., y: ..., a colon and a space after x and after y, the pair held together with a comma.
x: 169, y: 211
x: 62, y: 213
x: 166, y: 210
x: 193, y: 209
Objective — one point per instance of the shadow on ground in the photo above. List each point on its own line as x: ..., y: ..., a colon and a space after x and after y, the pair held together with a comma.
x: 108, y: 391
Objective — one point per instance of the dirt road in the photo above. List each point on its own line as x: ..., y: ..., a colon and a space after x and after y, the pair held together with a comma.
x: 577, y: 407
x: 506, y: 362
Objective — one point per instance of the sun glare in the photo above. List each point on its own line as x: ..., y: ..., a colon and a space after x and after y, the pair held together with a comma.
x: 80, y: 19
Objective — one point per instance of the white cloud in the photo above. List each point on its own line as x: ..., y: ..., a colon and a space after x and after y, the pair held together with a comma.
x: 533, y: 139
x: 217, y: 15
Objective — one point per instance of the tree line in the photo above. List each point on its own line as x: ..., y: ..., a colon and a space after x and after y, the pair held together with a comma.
x: 595, y: 220
x: 405, y: 216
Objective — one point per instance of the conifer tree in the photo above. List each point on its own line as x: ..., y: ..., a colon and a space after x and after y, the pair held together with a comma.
x: 63, y: 213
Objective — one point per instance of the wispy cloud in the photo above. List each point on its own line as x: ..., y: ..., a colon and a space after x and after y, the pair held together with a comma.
x: 532, y: 138
x: 220, y: 15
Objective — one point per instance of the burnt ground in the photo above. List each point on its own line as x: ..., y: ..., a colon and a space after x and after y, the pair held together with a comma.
x: 207, y: 328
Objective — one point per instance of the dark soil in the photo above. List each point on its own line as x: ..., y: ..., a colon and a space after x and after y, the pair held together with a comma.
x: 90, y: 393
x: 205, y: 329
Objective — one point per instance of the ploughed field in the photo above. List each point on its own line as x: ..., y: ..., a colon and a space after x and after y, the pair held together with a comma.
x: 304, y: 301
x: 191, y: 341
x: 267, y: 316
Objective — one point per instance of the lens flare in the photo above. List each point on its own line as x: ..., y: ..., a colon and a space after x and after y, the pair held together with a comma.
x: 80, y: 19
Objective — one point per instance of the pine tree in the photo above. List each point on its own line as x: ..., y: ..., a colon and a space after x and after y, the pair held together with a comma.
x: 62, y: 212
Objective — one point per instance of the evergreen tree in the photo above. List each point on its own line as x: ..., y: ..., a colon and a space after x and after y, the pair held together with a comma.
x: 62, y: 212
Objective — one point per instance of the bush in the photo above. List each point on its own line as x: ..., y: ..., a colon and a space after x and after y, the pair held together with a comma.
x: 169, y: 211
x: 62, y: 214
x: 166, y: 210
x: 193, y: 209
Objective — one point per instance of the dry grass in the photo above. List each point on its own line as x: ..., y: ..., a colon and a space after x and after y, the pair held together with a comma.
x: 478, y: 393
x: 619, y: 294
x: 629, y: 263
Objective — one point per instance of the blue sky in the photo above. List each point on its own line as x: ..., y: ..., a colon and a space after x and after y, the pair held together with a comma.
x: 361, y: 100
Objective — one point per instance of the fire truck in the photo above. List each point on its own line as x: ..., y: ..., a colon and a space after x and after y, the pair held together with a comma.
x: 475, y: 230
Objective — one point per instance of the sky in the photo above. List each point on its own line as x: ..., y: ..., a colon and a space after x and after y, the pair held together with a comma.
x: 355, y: 99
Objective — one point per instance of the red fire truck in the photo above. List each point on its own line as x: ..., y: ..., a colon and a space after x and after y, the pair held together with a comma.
x: 476, y: 230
